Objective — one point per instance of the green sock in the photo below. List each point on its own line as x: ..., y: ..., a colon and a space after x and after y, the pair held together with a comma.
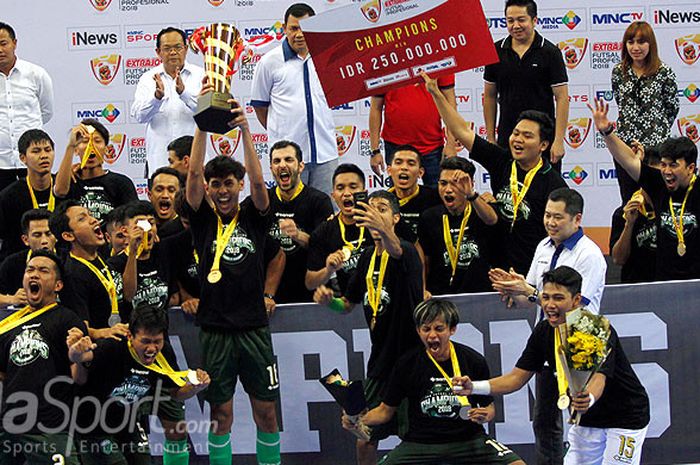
x: 267, y: 448
x: 220, y: 449
x: 176, y: 453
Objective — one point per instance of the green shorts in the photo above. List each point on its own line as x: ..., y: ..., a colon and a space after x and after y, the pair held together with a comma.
x: 241, y: 354
x: 124, y: 448
x: 37, y: 449
x: 170, y: 410
x: 398, y: 425
x: 477, y: 451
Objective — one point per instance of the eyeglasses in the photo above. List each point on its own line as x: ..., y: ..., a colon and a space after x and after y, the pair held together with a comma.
x: 172, y: 48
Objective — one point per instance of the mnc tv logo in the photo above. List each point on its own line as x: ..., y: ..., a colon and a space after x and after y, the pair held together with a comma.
x: 114, y: 148
x: 689, y: 126
x: 690, y: 93
x: 577, y: 132
x: 105, y: 68
x: 688, y: 48
x: 573, y: 51
x: 371, y: 10
x: 100, y: 5
x: 225, y: 145
x: 577, y: 175
x: 344, y: 137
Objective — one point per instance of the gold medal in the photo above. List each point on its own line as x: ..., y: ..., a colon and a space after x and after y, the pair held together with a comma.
x: 346, y: 254
x: 372, y: 323
x: 464, y: 412
x: 214, y: 276
x: 563, y: 402
x: 192, y: 377
x: 681, y: 249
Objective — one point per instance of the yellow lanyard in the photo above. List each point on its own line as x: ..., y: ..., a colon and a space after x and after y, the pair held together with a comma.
x: 518, y: 196
x: 374, y: 295
x: 298, y: 190
x: 455, y: 370
x: 452, y: 251
x: 222, y: 238
x: 348, y: 245
x: 106, y: 279
x: 22, y: 316
x: 91, y: 148
x: 678, y: 223
x: 650, y: 215
x: 52, y: 200
x: 196, y: 257
x: 162, y: 367
x: 142, y: 246
x: 562, y: 382
x: 405, y: 200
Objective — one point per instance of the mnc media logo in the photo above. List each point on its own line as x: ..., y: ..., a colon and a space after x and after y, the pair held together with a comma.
x: 571, y: 20
x: 578, y: 175
x: 691, y: 93
x: 109, y: 112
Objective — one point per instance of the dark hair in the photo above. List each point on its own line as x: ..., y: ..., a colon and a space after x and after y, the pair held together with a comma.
x: 222, y: 167
x: 182, y: 146
x: 32, y: 136
x: 676, y: 148
x: 115, y: 215
x: 166, y: 170
x: 389, y: 197
x: 179, y: 204
x: 136, y: 208
x: 409, y: 148
x: 573, y: 201
x: 458, y: 163
x: 281, y: 144
x: 298, y: 10
x: 58, y: 223
x: 543, y: 121
x: 564, y: 276
x: 530, y: 5
x: 349, y: 168
x: 150, y: 319
x: 58, y: 266
x: 99, y: 127
x: 35, y: 214
x: 10, y: 31
x: 171, y: 29
x: 652, y: 62
x: 431, y: 309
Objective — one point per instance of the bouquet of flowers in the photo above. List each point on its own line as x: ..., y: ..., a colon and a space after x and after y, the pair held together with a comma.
x: 351, y: 396
x: 584, y: 349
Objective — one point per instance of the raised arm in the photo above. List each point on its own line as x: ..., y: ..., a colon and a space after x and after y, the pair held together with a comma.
x: 454, y: 122
x: 376, y: 109
x: 258, y: 189
x: 620, y: 151
x: 490, y: 110
x: 65, y: 170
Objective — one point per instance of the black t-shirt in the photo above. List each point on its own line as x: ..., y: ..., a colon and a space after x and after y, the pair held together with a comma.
x: 12, y: 272
x: 525, y: 83
x: 670, y: 265
x: 473, y: 260
x: 114, y: 374
x: 183, y: 263
x: 326, y: 239
x: 236, y: 301
x: 15, y: 200
x: 433, y: 410
x: 402, y: 289
x: 103, y: 194
x: 84, y: 293
x: 170, y: 228
x: 32, y: 356
x: 624, y: 402
x: 640, y: 267
x: 308, y: 210
x: 520, y: 242
x: 412, y: 210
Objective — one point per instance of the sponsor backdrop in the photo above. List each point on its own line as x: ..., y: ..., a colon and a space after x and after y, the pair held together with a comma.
x: 96, y: 50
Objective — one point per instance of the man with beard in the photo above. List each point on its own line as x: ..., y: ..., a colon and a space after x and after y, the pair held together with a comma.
x: 389, y: 283
x: 229, y: 238
x: 34, y: 361
x: 298, y: 210
x: 163, y: 185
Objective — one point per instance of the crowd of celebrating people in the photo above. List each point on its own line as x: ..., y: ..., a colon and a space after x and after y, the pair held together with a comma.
x: 92, y: 270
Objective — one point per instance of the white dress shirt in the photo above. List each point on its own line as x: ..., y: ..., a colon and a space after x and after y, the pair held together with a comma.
x: 26, y: 102
x: 170, y: 117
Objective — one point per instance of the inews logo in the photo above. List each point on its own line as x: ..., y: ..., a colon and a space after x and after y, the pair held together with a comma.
x: 105, y: 68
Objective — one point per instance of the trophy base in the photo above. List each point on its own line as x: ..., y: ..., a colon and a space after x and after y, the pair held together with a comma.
x: 213, y: 112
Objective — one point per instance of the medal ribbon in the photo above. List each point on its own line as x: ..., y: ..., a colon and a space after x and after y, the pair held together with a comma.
x: 455, y: 370
x: 518, y: 196
x: 22, y: 316
x: 348, y: 245
x: 452, y: 251
x: 650, y: 215
x: 162, y: 367
x: 52, y: 200
x: 678, y: 223
x: 91, y: 148
x: 298, y: 190
x: 222, y: 238
x: 106, y: 280
x: 374, y: 295
x: 562, y: 382
x: 405, y: 200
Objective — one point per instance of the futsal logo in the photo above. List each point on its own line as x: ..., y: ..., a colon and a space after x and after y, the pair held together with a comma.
x: 344, y: 137
x: 688, y: 48
x: 577, y: 131
x: 100, y: 5
x: 689, y: 127
x: 372, y: 10
x: 226, y: 144
x: 105, y: 68
x: 573, y: 51
x: 114, y: 148
x: 216, y: 2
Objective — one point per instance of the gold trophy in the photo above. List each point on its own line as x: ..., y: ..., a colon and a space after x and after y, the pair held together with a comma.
x: 223, y: 48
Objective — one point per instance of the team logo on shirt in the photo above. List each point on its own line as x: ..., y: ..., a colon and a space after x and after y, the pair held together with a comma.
x: 646, y: 237
x: 151, y: 291
x: 689, y: 126
x: 226, y: 144
x: 372, y: 10
x: 384, y: 297
x: 688, y: 48
x: 100, y: 5
x: 286, y: 243
x: 440, y: 401
x: 28, y: 346
x: 95, y: 200
x: 577, y: 132
x: 105, y: 68
x: 115, y: 147
x: 690, y: 221
x: 237, y: 249
x: 504, y: 204
x: 344, y: 137
x: 468, y: 251
x: 133, y: 388
x: 573, y: 51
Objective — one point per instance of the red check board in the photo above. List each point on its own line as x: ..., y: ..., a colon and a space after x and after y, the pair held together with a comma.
x: 448, y: 38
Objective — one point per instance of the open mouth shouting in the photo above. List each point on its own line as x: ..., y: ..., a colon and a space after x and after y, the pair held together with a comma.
x: 149, y: 356
x: 434, y: 347
x: 164, y: 208
x: 285, y: 178
x: 99, y: 235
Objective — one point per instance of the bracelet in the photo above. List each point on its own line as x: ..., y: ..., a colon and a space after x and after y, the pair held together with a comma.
x: 337, y: 305
x: 473, y: 197
x: 607, y: 131
x: 269, y: 296
x: 591, y: 397
x: 376, y: 152
x: 481, y: 388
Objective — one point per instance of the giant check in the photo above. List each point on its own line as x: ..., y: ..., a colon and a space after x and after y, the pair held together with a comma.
x: 372, y: 47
